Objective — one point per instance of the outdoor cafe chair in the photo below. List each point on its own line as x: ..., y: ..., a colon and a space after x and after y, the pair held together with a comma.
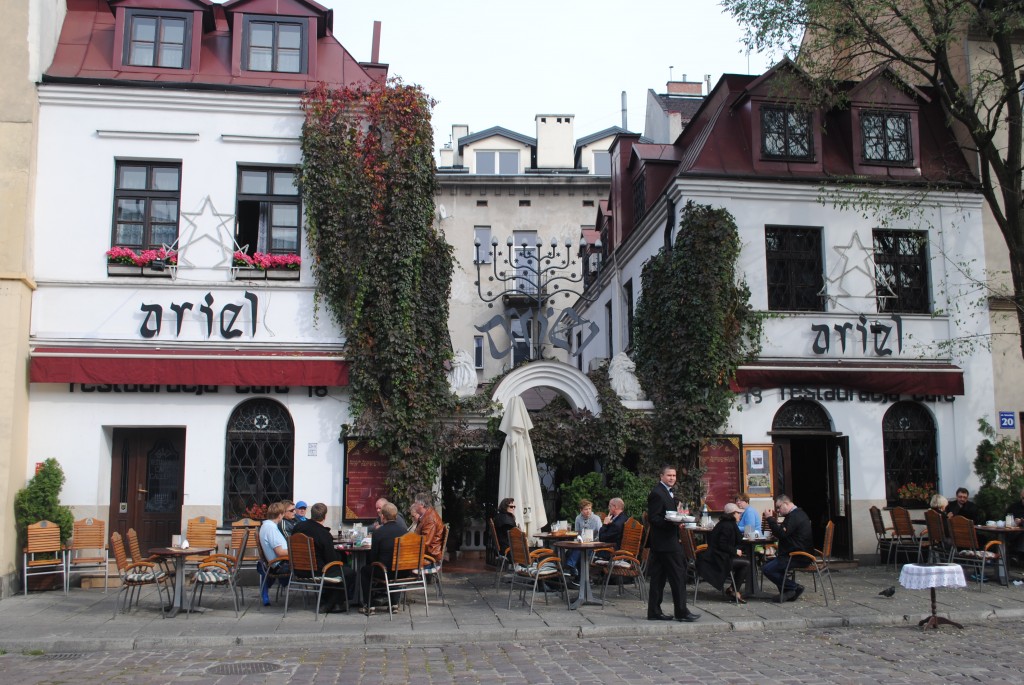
x: 968, y: 553
x: 88, y: 550
x: 883, y: 535
x: 939, y: 544
x: 531, y: 570
x: 408, y: 556
x: 219, y: 570
x: 501, y: 560
x: 135, y: 575
x: 816, y: 564
x: 435, y: 566
x: 137, y: 555
x: 691, y: 552
x: 304, y: 575
x: 251, y: 557
x: 904, y: 538
x: 200, y: 531
x: 44, y: 554
x: 624, y: 562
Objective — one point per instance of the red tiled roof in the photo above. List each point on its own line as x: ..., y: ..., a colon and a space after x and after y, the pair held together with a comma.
x: 86, y: 51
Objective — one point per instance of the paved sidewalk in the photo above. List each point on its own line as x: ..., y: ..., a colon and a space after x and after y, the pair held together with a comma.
x: 475, y: 612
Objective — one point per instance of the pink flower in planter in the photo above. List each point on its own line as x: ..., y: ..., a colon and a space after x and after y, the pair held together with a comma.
x: 264, y: 260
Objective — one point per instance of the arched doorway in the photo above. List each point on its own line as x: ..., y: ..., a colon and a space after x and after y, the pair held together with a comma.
x: 260, y: 460
x: 812, y: 466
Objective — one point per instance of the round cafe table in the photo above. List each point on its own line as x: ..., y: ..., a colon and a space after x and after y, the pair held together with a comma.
x: 931, y: 576
x: 586, y: 595
x: 179, y: 555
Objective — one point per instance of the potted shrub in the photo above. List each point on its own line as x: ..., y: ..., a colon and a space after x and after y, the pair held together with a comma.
x: 40, y: 500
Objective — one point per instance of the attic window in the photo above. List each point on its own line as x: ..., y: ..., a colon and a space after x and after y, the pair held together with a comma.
x: 272, y: 44
x: 886, y: 137
x: 786, y: 134
x: 157, y: 39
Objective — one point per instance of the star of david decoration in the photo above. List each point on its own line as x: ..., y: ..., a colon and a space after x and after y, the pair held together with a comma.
x: 197, y: 231
x: 854, y: 258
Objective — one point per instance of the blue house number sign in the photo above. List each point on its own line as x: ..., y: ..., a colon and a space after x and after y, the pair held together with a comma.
x: 1007, y: 419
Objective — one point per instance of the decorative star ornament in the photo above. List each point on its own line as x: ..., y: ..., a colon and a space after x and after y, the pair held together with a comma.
x: 207, y: 224
x: 854, y: 258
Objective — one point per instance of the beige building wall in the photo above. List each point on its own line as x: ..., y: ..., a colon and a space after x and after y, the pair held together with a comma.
x: 27, y: 41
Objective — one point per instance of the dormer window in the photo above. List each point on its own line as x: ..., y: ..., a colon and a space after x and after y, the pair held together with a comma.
x: 273, y: 44
x: 886, y: 137
x: 786, y: 133
x: 157, y: 39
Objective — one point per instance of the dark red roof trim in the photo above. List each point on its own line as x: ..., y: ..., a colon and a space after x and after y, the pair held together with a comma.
x: 186, y: 367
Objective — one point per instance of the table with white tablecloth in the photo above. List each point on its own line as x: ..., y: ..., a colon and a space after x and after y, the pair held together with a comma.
x: 931, y: 576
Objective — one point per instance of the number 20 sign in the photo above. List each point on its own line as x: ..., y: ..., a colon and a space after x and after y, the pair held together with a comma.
x: 1007, y: 419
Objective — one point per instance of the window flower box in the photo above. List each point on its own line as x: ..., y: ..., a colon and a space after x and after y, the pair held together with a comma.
x: 123, y: 261
x: 260, y: 265
x: 248, y: 273
x: 282, y: 274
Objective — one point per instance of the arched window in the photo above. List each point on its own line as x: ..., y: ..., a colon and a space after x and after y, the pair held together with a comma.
x: 908, y: 439
x: 802, y: 415
x: 260, y: 457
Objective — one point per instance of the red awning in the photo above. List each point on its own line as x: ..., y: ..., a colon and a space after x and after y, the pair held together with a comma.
x: 907, y: 378
x: 186, y: 367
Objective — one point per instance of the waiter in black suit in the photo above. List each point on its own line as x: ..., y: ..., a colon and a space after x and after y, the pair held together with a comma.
x: 666, y: 552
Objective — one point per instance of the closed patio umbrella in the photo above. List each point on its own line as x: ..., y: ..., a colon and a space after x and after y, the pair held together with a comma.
x: 518, y: 477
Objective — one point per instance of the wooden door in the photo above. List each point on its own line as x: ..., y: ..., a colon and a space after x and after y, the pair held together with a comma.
x: 147, y: 474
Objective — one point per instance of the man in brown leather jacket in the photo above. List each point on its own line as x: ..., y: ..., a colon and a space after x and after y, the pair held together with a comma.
x: 429, y: 524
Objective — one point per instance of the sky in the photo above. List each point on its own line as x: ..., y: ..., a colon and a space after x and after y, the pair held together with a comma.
x: 501, y: 63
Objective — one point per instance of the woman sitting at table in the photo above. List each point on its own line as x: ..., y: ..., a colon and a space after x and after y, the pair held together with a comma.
x: 504, y: 522
x: 723, y: 555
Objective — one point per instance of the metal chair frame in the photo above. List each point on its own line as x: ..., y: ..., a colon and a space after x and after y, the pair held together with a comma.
x: 817, y: 564
x: 302, y: 555
x: 44, y: 554
x: 409, y: 555
x: 967, y: 552
x: 530, y: 568
x: 220, y: 569
x: 625, y: 561
x: 502, y: 555
x: 883, y: 535
x: 135, y: 575
x: 88, y: 550
x: 904, y: 538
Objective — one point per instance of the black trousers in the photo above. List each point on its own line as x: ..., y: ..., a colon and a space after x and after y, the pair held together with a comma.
x: 667, y: 566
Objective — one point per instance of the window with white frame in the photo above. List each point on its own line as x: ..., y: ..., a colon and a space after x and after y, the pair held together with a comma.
x: 275, y: 44
x: 268, y: 214
x: 482, y: 244
x: 526, y: 260
x: 146, y: 203
x: 157, y: 39
x: 497, y: 161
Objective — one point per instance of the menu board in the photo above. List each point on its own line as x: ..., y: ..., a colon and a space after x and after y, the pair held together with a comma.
x: 366, y: 470
x: 720, y: 458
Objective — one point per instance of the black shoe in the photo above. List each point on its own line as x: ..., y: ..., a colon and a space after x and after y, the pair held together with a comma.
x: 689, y: 617
x: 795, y: 594
x: 659, y: 617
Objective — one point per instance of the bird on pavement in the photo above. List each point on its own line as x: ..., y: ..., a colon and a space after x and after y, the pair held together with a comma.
x: 888, y: 592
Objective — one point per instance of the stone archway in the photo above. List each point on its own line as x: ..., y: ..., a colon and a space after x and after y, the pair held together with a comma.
x: 566, y: 380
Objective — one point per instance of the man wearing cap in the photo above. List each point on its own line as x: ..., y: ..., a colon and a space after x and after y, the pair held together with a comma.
x: 300, y: 511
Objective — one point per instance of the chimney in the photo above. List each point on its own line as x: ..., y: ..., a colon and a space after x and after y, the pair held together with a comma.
x: 684, y: 88
x: 458, y: 131
x: 555, y: 141
x: 624, y: 127
x: 375, y: 50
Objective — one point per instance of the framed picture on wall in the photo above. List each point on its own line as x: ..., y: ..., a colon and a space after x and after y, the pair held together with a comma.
x: 757, y: 470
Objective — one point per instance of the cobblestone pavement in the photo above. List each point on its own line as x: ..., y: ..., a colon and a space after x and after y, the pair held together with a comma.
x: 890, y: 654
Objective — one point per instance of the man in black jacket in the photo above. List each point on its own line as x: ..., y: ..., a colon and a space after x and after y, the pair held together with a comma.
x: 666, y: 552
x: 962, y: 506
x: 794, y: 535
x: 323, y: 547
x: 383, y: 547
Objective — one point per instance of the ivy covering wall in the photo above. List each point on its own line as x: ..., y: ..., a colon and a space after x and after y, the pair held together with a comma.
x: 694, y: 327
x: 382, y: 271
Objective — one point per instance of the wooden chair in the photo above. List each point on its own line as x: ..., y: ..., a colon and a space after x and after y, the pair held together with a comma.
x: 135, y: 575
x: 201, y: 531
x: 250, y: 530
x: 968, y: 553
x: 435, y: 566
x: 44, y: 554
x: 625, y: 561
x: 408, y: 556
x: 304, y: 575
x: 817, y: 564
x: 939, y: 544
x: 883, y: 535
x: 530, y: 569
x: 219, y: 570
x: 502, y: 557
x: 137, y: 555
x: 904, y: 538
x: 270, y: 569
x: 88, y: 551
